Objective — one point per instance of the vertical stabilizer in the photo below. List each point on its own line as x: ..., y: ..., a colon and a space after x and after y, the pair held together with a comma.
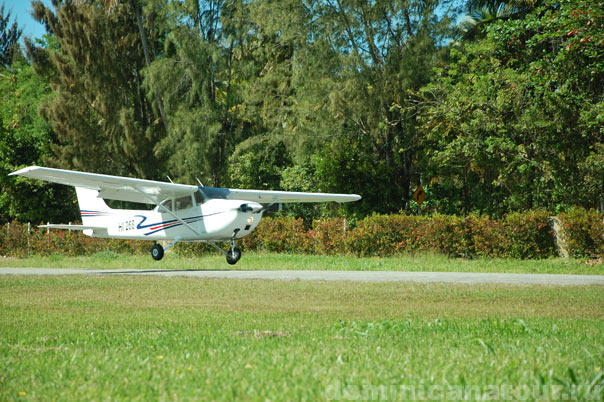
x: 92, y: 207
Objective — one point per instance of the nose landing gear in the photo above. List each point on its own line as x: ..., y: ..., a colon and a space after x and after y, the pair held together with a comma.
x: 234, y: 254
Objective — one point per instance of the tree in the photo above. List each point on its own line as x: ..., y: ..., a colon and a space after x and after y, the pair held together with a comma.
x: 515, y: 121
x: 9, y: 38
x: 24, y: 140
x: 353, y: 87
x: 102, y: 117
x: 109, y: 6
x: 200, y: 74
x: 481, y: 13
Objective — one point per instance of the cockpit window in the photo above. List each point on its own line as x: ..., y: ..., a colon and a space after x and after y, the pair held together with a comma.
x: 167, y: 204
x: 183, y: 202
x: 198, y: 198
x: 213, y: 193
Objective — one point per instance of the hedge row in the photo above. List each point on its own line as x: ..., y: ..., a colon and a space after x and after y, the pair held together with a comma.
x: 517, y: 235
x: 527, y: 235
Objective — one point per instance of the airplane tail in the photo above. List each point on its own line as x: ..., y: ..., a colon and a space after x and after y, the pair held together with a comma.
x: 91, y: 206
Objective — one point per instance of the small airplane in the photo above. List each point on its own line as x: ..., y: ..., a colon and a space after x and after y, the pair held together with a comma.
x: 182, y: 213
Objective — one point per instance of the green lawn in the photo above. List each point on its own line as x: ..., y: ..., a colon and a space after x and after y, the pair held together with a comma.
x: 262, y: 261
x: 142, y: 338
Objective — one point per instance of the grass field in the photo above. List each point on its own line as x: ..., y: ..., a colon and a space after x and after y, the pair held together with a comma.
x: 267, y: 261
x: 144, y: 338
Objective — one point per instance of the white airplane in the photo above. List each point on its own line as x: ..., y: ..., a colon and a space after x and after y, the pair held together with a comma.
x: 182, y: 212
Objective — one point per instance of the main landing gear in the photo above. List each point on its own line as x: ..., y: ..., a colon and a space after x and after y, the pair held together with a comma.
x: 157, y: 252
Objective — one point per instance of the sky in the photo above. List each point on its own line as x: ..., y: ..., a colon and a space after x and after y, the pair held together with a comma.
x: 20, y: 10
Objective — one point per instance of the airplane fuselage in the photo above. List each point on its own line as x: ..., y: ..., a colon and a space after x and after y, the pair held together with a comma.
x: 213, y: 220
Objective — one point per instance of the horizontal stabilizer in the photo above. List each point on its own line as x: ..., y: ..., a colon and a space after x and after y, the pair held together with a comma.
x: 73, y: 227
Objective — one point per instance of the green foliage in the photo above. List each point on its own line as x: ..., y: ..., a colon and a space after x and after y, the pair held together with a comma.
x: 259, y: 166
x: 200, y: 78
x: 9, y: 38
x: 104, y: 122
x: 518, y: 235
x: 352, y: 91
x: 583, y: 232
x: 24, y: 140
x: 512, y: 117
x: 360, y: 97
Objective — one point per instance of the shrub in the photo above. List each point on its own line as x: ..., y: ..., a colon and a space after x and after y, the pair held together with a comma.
x: 384, y: 235
x: 327, y: 237
x: 583, y: 232
x: 530, y: 235
x: 446, y: 234
x: 517, y: 235
x: 279, y: 235
x: 488, y: 236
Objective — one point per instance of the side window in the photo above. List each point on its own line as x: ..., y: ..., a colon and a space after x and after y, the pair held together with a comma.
x: 198, y: 197
x: 183, y: 202
x: 167, y: 204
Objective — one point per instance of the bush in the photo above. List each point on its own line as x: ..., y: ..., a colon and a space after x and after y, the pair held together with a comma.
x: 517, y: 235
x: 448, y: 235
x: 279, y: 235
x: 530, y: 235
x: 384, y: 235
x: 489, y: 238
x: 583, y: 233
x: 327, y: 237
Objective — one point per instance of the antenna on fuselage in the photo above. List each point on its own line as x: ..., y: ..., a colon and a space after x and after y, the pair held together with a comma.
x: 199, y: 181
x: 170, y: 179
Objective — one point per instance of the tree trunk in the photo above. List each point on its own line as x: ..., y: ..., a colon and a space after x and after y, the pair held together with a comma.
x: 160, y: 104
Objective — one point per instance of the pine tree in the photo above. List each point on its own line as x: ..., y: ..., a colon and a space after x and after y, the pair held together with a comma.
x: 200, y: 77
x: 9, y: 38
x: 102, y: 117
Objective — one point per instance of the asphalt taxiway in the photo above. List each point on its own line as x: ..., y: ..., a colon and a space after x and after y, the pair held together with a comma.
x: 356, y: 276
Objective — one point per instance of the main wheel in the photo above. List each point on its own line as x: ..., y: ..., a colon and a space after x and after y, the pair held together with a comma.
x: 233, y: 255
x: 157, y: 252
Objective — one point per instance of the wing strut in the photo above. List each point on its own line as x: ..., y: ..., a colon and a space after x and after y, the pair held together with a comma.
x: 160, y: 206
x: 264, y: 208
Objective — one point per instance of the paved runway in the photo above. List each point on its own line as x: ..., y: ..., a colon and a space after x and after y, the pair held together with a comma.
x: 358, y: 276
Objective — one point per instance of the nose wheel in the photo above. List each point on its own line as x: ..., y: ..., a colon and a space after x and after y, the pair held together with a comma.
x: 233, y: 255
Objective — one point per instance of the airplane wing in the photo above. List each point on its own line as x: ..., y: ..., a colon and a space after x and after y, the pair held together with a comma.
x: 262, y: 196
x: 154, y: 192
x: 111, y: 187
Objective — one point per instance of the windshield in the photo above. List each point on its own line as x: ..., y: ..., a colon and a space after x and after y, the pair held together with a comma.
x: 212, y: 193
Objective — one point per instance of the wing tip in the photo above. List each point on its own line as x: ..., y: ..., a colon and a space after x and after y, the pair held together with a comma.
x: 21, y: 172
